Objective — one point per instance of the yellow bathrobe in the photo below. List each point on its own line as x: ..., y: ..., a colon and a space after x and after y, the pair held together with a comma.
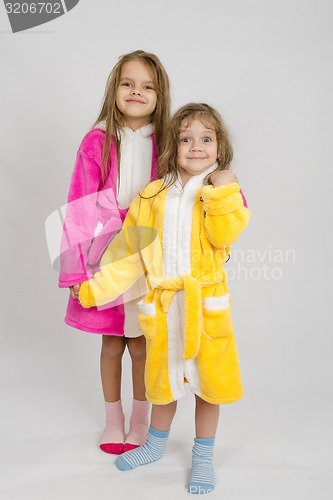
x: 180, y: 238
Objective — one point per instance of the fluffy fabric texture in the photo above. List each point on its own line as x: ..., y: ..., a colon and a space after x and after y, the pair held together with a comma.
x: 152, y: 450
x: 224, y: 201
x: 139, y: 425
x: 202, y: 478
x: 135, y: 154
x: 112, y: 439
x: 218, y: 218
x: 90, y: 204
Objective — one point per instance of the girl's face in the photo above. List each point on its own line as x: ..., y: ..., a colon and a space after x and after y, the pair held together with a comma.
x: 197, y: 150
x: 136, y: 95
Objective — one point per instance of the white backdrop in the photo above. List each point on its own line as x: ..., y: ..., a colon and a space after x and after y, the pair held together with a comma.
x: 267, y: 66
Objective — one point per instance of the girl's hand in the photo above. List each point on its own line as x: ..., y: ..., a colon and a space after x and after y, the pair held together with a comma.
x: 74, y: 291
x: 222, y: 177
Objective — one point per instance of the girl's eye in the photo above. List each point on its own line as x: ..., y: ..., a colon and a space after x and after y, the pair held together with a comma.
x: 148, y: 87
x: 126, y: 84
x: 206, y: 139
x: 185, y: 139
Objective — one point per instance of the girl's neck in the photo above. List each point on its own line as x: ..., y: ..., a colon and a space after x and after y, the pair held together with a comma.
x: 135, y: 123
x: 183, y: 177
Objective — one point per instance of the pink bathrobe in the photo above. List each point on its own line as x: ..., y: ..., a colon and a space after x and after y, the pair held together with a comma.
x: 91, y: 205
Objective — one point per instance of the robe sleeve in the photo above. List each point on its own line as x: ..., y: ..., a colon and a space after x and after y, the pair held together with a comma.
x: 226, y: 213
x: 135, y: 251
x: 80, y: 220
x: 120, y: 268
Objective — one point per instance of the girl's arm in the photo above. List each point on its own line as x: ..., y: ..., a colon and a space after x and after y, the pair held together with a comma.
x: 130, y: 254
x: 81, y: 215
x: 226, y: 215
x: 120, y: 268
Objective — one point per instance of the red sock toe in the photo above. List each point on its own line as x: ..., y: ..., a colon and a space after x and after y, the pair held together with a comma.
x: 114, y: 448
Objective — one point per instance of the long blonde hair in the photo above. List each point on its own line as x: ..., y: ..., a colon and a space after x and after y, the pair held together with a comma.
x: 113, y: 117
x: 168, y: 162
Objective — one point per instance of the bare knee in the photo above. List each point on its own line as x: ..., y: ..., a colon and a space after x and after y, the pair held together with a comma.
x: 113, y: 347
x: 137, y: 348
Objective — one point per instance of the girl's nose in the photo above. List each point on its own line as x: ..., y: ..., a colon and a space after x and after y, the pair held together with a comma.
x: 135, y: 92
x: 196, y: 146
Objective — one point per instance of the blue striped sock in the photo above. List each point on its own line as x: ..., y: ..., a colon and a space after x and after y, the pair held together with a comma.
x: 153, y: 449
x: 202, y: 478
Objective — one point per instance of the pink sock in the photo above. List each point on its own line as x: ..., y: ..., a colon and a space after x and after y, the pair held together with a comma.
x: 139, y: 425
x: 112, y: 439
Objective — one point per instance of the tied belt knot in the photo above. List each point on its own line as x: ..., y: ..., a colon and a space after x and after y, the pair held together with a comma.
x: 193, y: 323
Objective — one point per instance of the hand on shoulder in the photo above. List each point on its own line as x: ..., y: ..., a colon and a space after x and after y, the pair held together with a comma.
x: 222, y: 177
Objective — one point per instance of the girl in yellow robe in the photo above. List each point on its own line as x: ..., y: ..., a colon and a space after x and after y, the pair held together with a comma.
x: 178, y: 232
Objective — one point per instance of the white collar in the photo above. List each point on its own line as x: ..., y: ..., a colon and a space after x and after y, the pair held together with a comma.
x: 195, y: 181
x: 101, y: 125
x: 145, y: 131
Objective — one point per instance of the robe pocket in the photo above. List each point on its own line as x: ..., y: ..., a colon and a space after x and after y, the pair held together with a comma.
x: 217, y: 316
x: 147, y: 319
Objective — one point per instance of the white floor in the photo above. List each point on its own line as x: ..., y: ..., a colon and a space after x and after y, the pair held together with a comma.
x: 49, y: 449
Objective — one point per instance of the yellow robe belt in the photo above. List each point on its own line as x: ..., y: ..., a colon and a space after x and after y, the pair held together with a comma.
x: 193, y: 304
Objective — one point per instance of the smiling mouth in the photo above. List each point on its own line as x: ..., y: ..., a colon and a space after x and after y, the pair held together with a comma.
x: 135, y: 101
x: 196, y: 158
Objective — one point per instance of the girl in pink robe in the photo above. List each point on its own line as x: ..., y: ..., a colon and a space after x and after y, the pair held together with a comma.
x: 115, y: 160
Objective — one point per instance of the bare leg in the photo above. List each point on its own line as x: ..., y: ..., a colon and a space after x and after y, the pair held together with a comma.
x: 206, y: 418
x: 137, y: 350
x: 111, y: 356
x: 162, y: 416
